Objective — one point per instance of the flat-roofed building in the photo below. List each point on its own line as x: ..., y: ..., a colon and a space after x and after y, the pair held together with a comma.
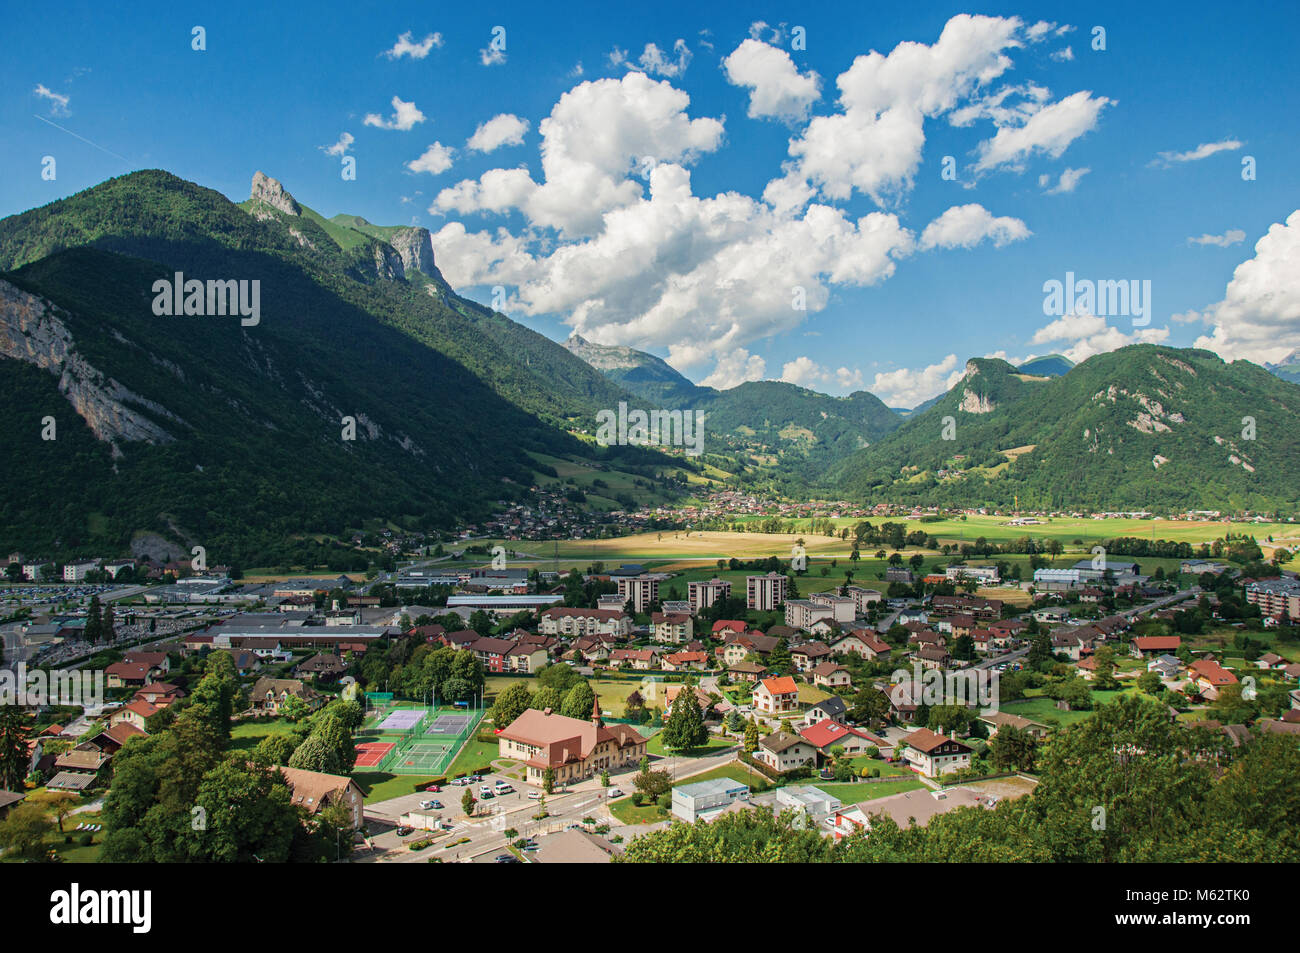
x: 765, y: 593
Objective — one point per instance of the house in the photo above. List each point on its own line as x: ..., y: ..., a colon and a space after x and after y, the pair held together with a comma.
x: 831, y: 675
x: 1270, y: 660
x: 1002, y: 719
x: 245, y: 662
x: 670, y: 627
x: 1008, y: 628
x: 1210, y: 676
x: 133, y: 713
x: 127, y: 675
x: 672, y: 692
x: 903, y: 809
x: 569, y: 748
x: 782, y: 751
x: 157, y: 662
x: 112, y: 739
x: 934, y: 755
x: 861, y: 642
x: 9, y: 800
x: 1068, y: 643
x: 491, y: 652
x: 705, y: 800
x: 527, y: 658
x: 802, y: 613
x: 932, y: 656
x: 325, y: 665
x: 685, y: 661
x: 740, y: 646
x: 746, y: 672
x: 776, y: 696
x: 827, y: 735
x: 85, y: 759
x: 268, y: 695
x: 159, y: 694
x: 833, y: 708
x: 723, y: 627
x: 640, y: 659
x: 1166, y: 666
x: 1146, y: 646
x: 314, y: 791
x: 809, y: 654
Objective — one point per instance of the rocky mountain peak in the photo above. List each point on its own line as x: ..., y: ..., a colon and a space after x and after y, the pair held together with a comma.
x: 415, y: 246
x: 269, y: 190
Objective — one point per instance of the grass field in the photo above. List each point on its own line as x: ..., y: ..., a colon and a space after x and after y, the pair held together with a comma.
x: 682, y: 545
x: 854, y: 793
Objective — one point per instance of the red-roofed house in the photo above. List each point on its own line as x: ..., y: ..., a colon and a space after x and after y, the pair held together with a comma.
x: 776, y: 696
x: 133, y: 713
x: 933, y: 754
x: 827, y: 734
x: 1210, y: 676
x: 1144, y: 646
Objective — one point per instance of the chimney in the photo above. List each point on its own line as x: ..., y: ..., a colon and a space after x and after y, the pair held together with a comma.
x: 546, y: 711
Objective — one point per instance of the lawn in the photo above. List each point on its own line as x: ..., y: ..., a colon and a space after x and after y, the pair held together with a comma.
x: 73, y: 853
x: 379, y: 786
x: 854, y: 793
x: 628, y: 813
x: 735, y: 771
x: 245, y: 735
x: 886, y: 768
x: 715, y: 744
x: 612, y: 692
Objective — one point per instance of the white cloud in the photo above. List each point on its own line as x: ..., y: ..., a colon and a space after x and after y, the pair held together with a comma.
x: 874, y: 144
x: 501, y: 130
x: 58, y: 102
x: 1050, y: 130
x: 1084, y: 335
x: 1069, y: 179
x: 406, y: 46
x: 1203, y: 151
x: 654, y: 61
x: 805, y: 372
x: 1259, y: 316
x: 405, y: 116
x: 736, y: 368
x: 907, y: 387
x: 491, y: 56
x: 595, y: 135
x: 1233, y: 236
x: 776, y: 87
x: 965, y: 226
x: 341, y: 147
x: 435, y: 160
x: 1064, y: 55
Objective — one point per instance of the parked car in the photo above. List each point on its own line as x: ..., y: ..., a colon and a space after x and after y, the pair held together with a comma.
x: 434, y: 789
x: 534, y: 795
x: 503, y: 787
x: 506, y: 859
x: 485, y: 792
x: 431, y: 805
x: 404, y: 831
x: 615, y: 792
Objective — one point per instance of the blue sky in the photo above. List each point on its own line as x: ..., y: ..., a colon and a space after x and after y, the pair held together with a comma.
x: 697, y: 174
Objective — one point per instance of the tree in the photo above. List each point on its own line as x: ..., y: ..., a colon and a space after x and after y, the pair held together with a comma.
x: 248, y: 816
x: 653, y: 784
x: 546, y: 697
x: 685, y: 726
x: 548, y: 781
x: 13, y: 748
x: 579, y: 701
x: 24, y: 831
x: 315, y: 754
x: 751, y: 738
x: 94, y: 630
x: 58, y: 803
x: 274, y: 750
x: 510, y: 704
x: 468, y: 802
x: 1013, y: 749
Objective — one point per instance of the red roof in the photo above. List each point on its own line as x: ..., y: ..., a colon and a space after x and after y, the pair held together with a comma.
x: 1157, y: 643
x: 828, y: 732
x: 780, y: 686
x: 733, y: 625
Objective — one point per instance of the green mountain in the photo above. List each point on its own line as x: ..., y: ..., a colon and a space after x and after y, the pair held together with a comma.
x: 773, y: 425
x: 1049, y: 365
x: 1143, y: 427
x: 211, y: 432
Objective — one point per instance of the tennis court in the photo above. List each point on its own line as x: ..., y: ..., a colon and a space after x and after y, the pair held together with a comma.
x: 424, y: 757
x: 448, y: 725
x: 404, y: 719
x: 371, y: 754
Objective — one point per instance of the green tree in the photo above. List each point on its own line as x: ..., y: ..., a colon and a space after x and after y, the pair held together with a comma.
x: 24, y: 831
x: 468, y: 802
x: 579, y: 702
x: 510, y: 704
x: 685, y: 726
x: 13, y: 748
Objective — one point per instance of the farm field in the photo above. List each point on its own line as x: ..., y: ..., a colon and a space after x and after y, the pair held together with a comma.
x: 714, y: 544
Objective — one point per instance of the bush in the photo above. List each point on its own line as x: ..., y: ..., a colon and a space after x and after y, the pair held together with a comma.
x: 87, y: 839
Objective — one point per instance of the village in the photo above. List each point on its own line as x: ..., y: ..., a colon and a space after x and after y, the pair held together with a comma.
x: 510, y: 713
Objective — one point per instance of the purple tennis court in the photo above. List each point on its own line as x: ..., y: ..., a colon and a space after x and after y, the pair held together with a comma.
x: 402, y: 720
